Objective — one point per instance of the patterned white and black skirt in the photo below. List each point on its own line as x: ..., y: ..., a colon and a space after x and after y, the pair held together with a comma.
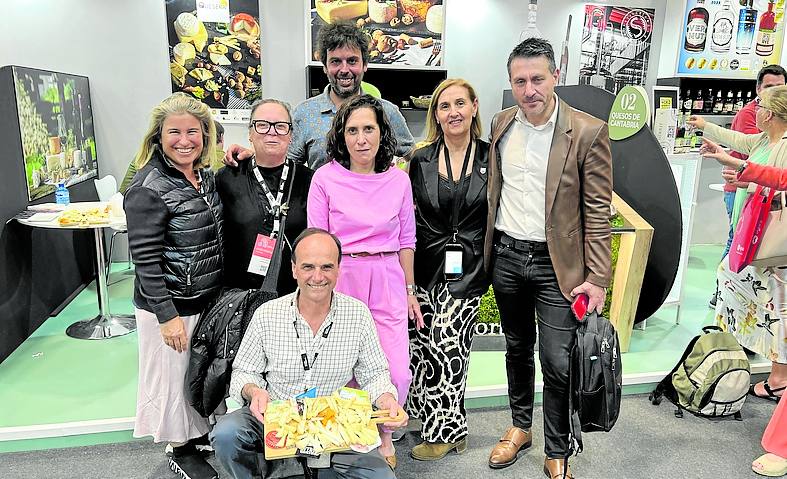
x: 439, y: 358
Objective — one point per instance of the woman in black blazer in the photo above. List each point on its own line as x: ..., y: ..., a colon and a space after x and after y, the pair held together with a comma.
x: 449, y: 187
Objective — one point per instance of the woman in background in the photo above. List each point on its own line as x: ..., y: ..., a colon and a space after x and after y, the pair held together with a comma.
x: 173, y: 214
x: 752, y: 303
x: 449, y: 188
x: 774, y: 440
x: 368, y: 204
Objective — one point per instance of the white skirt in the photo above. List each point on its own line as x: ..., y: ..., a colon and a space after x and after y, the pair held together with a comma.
x: 162, y: 409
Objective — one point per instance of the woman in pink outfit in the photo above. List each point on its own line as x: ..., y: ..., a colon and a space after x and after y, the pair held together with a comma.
x: 368, y: 203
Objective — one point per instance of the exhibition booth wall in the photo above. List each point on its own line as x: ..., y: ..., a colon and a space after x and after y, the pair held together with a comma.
x: 122, y: 48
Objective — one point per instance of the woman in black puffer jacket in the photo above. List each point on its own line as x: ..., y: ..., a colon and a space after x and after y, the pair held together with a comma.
x: 174, y: 220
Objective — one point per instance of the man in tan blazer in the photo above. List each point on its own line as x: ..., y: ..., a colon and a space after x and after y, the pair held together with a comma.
x: 547, y: 240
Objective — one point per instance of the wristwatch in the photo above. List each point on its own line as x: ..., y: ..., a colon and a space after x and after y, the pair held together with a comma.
x: 411, y: 290
x: 743, y: 166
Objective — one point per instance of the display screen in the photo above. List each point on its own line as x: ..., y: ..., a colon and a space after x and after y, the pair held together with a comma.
x: 56, y: 127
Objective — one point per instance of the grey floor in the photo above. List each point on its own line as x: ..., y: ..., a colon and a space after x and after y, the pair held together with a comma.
x: 647, y: 442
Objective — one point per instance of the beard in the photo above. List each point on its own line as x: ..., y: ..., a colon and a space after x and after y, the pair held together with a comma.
x: 345, y: 92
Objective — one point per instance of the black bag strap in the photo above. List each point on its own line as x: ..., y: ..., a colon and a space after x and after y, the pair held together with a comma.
x: 712, y: 329
x: 271, y: 281
x: 665, y: 387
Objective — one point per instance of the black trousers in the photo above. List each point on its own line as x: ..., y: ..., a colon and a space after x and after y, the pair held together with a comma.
x: 525, y: 286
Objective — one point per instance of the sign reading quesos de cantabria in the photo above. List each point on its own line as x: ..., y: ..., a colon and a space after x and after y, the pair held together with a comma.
x: 630, y: 112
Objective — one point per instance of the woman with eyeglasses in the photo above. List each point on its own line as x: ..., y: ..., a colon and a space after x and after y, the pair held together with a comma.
x: 255, y: 197
x: 752, y: 304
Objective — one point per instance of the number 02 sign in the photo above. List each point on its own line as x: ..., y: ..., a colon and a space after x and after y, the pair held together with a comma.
x: 630, y: 112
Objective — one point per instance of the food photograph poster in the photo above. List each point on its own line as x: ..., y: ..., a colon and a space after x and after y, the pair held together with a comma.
x: 730, y: 38
x: 401, y: 32
x: 615, y: 46
x: 56, y: 127
x: 214, y: 51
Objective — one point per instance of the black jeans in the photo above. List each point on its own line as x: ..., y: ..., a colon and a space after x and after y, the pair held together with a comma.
x: 525, y: 286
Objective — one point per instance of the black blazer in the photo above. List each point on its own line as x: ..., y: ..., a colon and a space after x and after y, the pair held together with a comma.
x: 433, y: 225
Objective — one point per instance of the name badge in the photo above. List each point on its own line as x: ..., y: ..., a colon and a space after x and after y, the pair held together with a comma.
x: 261, y: 255
x: 453, y: 262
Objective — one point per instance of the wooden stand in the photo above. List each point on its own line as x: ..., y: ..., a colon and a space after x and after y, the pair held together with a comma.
x: 629, y: 270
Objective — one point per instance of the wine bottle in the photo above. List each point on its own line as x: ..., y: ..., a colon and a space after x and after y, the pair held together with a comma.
x: 718, y: 105
x: 696, y: 28
x: 721, y: 36
x: 766, y: 35
x: 729, y: 103
x: 747, y: 23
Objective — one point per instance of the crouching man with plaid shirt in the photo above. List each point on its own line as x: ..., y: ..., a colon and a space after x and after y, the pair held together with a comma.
x: 314, y: 338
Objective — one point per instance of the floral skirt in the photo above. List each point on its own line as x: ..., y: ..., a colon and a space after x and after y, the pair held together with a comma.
x: 752, y: 305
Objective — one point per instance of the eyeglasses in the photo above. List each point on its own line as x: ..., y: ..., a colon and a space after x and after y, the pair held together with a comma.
x: 263, y: 127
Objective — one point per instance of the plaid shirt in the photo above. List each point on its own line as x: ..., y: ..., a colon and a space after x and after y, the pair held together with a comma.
x: 270, y: 352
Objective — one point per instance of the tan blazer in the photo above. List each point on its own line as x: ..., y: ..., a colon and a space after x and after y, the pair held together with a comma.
x: 578, y: 196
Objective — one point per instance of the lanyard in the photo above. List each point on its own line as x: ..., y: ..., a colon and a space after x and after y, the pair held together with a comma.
x: 308, y: 366
x: 274, y: 203
x: 456, y: 190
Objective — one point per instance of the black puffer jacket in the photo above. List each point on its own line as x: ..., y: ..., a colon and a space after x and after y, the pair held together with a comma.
x: 175, y: 237
x: 215, y: 343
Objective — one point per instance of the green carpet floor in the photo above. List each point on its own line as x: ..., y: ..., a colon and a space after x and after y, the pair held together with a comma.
x: 52, y: 378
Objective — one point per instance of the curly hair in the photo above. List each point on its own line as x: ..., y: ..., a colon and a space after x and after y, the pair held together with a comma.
x: 342, y: 34
x: 337, y: 145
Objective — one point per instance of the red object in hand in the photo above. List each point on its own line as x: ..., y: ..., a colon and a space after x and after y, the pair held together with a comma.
x: 580, y: 306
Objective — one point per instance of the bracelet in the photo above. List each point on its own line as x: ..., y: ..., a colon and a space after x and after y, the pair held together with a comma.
x: 743, y: 166
x: 411, y: 290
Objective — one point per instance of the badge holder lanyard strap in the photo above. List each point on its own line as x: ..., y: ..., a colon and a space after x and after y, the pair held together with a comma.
x: 271, y: 280
x: 274, y: 203
x: 308, y: 366
x: 455, y: 189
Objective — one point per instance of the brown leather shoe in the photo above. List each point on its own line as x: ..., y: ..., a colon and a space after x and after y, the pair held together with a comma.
x: 513, y: 441
x: 553, y: 469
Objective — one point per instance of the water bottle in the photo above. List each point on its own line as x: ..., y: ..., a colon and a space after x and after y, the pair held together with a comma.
x: 61, y: 195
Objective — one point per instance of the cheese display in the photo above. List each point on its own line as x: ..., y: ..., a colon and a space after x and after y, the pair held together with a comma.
x: 312, y: 426
x: 190, y: 30
x: 332, y: 11
x: 245, y: 27
x: 183, y: 52
x: 98, y: 215
x: 382, y: 11
x: 434, y: 19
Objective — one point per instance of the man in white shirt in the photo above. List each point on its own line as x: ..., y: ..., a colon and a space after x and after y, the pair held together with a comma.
x: 547, y: 241
x: 314, y: 338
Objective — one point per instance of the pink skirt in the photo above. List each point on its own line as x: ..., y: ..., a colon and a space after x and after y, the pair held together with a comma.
x: 162, y: 410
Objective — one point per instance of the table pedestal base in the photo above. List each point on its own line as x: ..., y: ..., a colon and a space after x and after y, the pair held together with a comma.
x: 103, y: 327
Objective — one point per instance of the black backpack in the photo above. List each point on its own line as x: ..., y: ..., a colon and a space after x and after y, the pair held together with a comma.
x: 596, y: 379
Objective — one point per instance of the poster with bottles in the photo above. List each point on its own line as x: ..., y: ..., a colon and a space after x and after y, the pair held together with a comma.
x: 615, y: 46
x: 730, y: 38
x: 55, y: 121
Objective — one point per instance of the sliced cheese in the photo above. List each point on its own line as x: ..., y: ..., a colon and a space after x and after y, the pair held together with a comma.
x: 219, y: 59
x: 382, y: 11
x: 339, y: 10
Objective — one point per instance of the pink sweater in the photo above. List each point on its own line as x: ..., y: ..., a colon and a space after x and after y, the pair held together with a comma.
x: 368, y: 213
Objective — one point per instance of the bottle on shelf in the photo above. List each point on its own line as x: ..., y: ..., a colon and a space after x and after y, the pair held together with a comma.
x: 718, y: 104
x: 531, y: 30
x: 766, y: 34
x: 748, y: 97
x: 707, y: 105
x: 61, y: 195
x: 747, y: 24
x: 696, y: 28
x: 686, y: 105
x: 729, y: 103
x: 738, y: 102
x: 721, y: 35
x: 698, y: 102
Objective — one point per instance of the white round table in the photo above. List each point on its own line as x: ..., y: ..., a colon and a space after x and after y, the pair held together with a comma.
x: 106, y: 325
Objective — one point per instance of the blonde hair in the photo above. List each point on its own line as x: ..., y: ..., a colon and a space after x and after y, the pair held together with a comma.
x: 434, y: 131
x: 178, y: 104
x: 774, y: 99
